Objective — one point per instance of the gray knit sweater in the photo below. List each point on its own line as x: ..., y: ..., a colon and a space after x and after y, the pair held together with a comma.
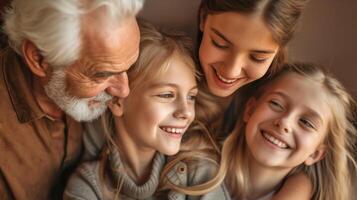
x: 86, y: 183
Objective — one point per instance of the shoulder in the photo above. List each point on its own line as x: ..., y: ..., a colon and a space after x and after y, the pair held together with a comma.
x: 93, y: 139
x: 296, y: 186
x: 84, y: 183
x: 186, y: 174
x: 200, y: 171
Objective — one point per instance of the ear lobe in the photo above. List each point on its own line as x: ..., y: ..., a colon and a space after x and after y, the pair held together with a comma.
x: 249, y: 108
x: 34, y: 59
x: 116, y: 106
x: 318, y: 155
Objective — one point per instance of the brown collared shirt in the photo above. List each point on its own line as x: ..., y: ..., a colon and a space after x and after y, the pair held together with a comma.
x: 32, y: 145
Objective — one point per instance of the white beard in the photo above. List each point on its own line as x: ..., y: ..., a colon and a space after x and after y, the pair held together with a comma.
x: 78, y: 108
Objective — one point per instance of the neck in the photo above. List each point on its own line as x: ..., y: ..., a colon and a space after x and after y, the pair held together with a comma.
x: 136, y: 159
x: 225, y: 101
x: 45, y: 103
x: 264, y: 179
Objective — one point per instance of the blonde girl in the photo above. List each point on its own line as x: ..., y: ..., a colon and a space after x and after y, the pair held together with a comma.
x: 147, y: 125
x: 301, y: 121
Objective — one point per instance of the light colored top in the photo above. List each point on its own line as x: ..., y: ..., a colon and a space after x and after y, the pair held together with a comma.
x: 93, y: 140
x: 87, y: 183
x: 266, y: 197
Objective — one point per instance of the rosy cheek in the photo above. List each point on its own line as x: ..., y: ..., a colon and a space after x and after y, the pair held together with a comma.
x: 205, y: 48
x: 193, y: 115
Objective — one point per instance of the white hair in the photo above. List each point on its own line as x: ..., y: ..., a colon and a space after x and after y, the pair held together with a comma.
x: 79, y: 109
x: 54, y: 25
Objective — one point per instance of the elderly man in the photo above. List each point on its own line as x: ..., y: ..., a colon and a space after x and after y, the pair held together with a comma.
x: 67, y: 59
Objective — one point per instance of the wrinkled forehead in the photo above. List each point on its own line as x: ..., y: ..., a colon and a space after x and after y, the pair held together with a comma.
x: 117, y: 43
x: 101, y: 31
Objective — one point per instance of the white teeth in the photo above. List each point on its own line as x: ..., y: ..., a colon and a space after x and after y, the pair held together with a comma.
x: 173, y: 130
x: 275, y: 141
x: 224, y: 79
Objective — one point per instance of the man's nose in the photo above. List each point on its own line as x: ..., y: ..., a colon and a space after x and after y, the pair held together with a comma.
x: 119, y: 85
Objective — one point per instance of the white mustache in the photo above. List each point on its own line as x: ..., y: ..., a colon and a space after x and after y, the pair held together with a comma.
x: 76, y: 107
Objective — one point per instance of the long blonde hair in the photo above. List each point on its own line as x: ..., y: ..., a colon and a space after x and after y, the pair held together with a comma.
x: 199, y: 147
x: 156, y: 50
x: 331, y: 177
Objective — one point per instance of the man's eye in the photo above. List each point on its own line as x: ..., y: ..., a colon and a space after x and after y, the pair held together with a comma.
x: 103, y: 74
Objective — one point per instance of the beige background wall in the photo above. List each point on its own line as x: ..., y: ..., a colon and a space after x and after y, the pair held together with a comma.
x: 327, y: 33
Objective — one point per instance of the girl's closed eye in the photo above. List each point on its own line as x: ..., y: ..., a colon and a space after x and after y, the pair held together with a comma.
x: 306, y: 123
x: 276, y: 105
x: 218, y: 45
x: 258, y: 59
x: 166, y: 95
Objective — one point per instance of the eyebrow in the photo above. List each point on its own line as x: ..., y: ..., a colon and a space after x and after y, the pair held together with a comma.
x: 156, y: 85
x: 221, y: 35
x: 108, y: 72
x: 312, y: 112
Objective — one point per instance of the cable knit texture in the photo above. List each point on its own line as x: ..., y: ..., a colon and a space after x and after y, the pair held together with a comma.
x: 130, y: 188
x: 86, y: 184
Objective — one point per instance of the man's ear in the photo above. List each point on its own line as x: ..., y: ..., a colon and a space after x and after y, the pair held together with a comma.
x: 116, y: 106
x: 318, y: 155
x: 249, y: 109
x: 34, y: 59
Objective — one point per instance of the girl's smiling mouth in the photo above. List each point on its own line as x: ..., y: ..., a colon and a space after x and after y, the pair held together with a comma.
x: 274, y: 140
x: 173, y: 131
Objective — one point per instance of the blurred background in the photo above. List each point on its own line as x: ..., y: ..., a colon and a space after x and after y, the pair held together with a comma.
x: 327, y: 33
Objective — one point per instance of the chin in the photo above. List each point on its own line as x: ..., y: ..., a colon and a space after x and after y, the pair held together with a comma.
x: 80, y: 111
x: 220, y: 93
x: 170, y: 152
